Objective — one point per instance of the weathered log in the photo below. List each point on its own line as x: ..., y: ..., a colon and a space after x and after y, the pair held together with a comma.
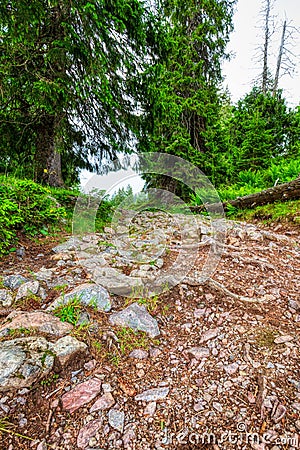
x: 282, y: 193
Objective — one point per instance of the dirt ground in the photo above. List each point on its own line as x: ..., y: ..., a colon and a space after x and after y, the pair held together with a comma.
x: 244, y: 394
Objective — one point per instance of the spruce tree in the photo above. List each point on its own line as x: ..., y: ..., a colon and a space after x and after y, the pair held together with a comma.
x: 69, y: 89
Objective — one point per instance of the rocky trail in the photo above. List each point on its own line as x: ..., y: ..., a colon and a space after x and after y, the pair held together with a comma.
x: 182, y: 336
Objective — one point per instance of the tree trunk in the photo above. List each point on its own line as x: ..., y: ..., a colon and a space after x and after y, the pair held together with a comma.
x: 281, y: 48
x: 282, y: 193
x: 266, y: 47
x: 48, y: 160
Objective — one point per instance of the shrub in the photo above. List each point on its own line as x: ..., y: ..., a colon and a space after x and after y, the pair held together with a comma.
x: 28, y: 207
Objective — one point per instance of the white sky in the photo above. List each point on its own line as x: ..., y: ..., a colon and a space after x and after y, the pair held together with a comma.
x: 112, y: 182
x: 243, y: 68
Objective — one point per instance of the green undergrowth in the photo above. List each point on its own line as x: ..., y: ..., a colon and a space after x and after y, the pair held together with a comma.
x: 28, y: 208
x: 32, y: 210
x: 283, y: 212
x: 252, y: 181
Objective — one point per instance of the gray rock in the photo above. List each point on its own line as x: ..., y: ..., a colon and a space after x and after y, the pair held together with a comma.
x: 24, y: 361
x: 106, y: 387
x: 44, y: 275
x: 296, y: 405
x: 116, y: 419
x: 154, y: 352
x: 294, y: 305
x: 283, y: 339
x: 67, y: 348
x: 27, y: 289
x: 152, y: 395
x: 129, y: 436
x: 70, y: 245
x: 209, y: 334
x: 198, y: 406
x: 279, y: 413
x: 217, y: 406
x: 88, y: 295
x: 150, y: 409
x: 14, y: 281
x: 5, y: 298
x: 231, y: 368
x: 81, y: 394
x: 159, y: 263
x: 38, y: 320
x: 117, y: 282
x: 136, y: 316
x: 84, y: 318
x: 42, y: 445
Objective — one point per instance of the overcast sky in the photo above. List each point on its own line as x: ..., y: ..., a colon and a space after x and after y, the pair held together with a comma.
x: 243, y: 67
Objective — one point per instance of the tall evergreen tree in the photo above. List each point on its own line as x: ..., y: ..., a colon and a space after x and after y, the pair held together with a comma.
x: 261, y: 128
x: 68, y: 72
x: 183, y: 88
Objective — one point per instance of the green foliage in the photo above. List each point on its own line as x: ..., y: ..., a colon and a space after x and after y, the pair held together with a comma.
x: 28, y: 207
x: 265, y: 337
x: 108, y: 206
x: 151, y: 303
x: 8, y: 428
x: 51, y: 379
x: 251, y: 181
x: 70, y: 312
x: 98, y: 346
x: 69, y: 82
x: 260, y: 130
x: 130, y: 339
x: 20, y: 332
x: 182, y: 87
x: 275, y: 212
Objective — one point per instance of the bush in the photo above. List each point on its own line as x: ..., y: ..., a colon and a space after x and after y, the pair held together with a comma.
x: 27, y: 207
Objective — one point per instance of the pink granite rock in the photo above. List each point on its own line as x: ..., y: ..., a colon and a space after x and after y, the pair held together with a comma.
x: 87, y: 432
x: 104, y: 402
x: 38, y: 320
x: 209, y: 334
x: 81, y: 394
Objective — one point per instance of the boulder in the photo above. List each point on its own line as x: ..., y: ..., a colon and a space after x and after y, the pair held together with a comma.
x: 136, y: 316
x: 67, y: 349
x: 5, y: 298
x: 88, y: 295
x: 27, y: 289
x: 37, y: 320
x: 14, y: 281
x: 24, y: 361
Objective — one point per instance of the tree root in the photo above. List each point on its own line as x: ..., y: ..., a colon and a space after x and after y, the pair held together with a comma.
x: 221, y: 288
x: 243, y: 259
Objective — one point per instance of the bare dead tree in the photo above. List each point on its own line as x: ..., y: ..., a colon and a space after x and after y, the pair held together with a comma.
x: 267, y: 29
x: 286, y: 58
x: 279, y: 59
x: 267, y: 10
